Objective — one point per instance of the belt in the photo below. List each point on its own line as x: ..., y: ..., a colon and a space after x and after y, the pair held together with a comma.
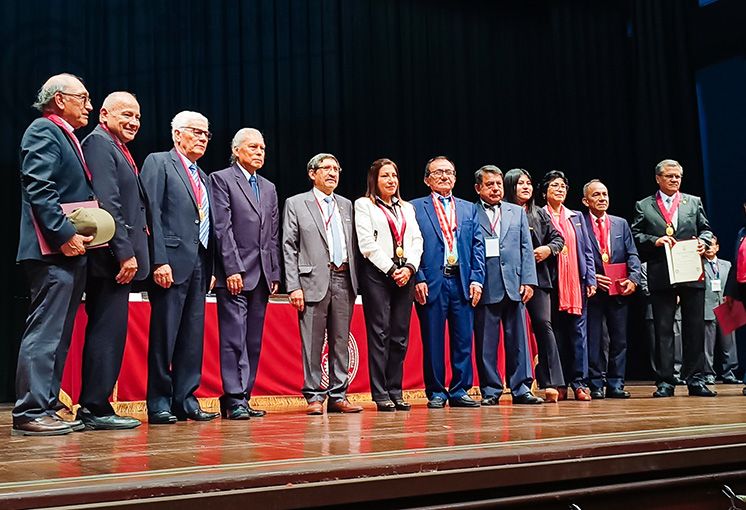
x: 339, y: 269
x: 450, y: 271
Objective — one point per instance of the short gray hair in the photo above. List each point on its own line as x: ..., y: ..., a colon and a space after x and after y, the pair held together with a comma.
x: 53, y: 85
x: 588, y: 185
x: 315, y: 161
x: 241, y: 135
x: 182, y: 120
x: 486, y: 169
x: 668, y: 163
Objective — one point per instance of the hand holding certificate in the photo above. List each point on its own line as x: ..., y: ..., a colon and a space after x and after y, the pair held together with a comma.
x: 684, y: 261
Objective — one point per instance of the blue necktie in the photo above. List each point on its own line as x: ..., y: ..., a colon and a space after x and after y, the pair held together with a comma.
x: 204, y: 224
x: 254, y: 186
x: 336, y: 238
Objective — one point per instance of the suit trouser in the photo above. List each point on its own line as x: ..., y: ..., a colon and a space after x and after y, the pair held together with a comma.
x: 603, y: 371
x: 572, y: 340
x: 331, y: 315
x: 449, y: 305
x: 388, y: 312
x: 241, y: 321
x: 177, y: 327
x: 721, y: 358
x: 692, y: 300
x: 55, y: 290
x: 107, y: 306
x: 487, y: 319
x: 549, y: 368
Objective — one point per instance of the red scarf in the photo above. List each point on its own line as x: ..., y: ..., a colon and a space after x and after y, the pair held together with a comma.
x: 568, y: 272
x: 57, y: 120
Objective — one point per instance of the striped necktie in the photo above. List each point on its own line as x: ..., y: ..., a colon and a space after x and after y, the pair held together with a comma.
x: 204, y: 206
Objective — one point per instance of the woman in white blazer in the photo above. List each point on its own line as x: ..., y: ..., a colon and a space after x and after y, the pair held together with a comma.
x: 391, y: 243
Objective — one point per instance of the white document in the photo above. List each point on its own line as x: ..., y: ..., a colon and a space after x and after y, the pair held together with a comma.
x: 491, y: 247
x: 684, y: 263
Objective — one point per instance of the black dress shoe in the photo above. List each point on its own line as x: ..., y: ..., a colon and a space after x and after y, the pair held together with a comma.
x: 491, y: 401
x: 597, y: 394
x: 730, y: 380
x: 436, y: 403
x: 700, y: 390
x: 161, y: 418
x: 463, y: 401
x: 527, y: 398
x: 236, y: 412
x: 401, y: 405
x: 197, y: 415
x: 664, y: 391
x: 616, y: 393
x: 109, y: 422
x: 744, y: 392
x: 386, y: 406
x: 75, y: 424
x: 255, y: 413
x: 678, y: 381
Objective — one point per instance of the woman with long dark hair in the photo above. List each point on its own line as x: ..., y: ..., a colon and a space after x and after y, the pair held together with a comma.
x: 547, y: 242
x: 575, y: 282
x: 391, y: 242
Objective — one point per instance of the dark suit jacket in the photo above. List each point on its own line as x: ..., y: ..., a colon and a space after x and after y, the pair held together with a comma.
x: 247, y: 232
x: 51, y: 174
x: 175, y: 214
x: 623, y: 249
x: 469, y: 239
x: 118, y: 190
x: 648, y: 225
x: 515, y: 266
x: 543, y: 233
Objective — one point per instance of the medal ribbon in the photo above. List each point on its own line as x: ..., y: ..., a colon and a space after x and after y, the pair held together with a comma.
x: 498, y: 213
x: 668, y: 214
x: 122, y: 148
x: 196, y: 185
x: 56, y: 119
x: 447, y: 225
x: 321, y: 210
x: 397, y: 227
x: 601, y: 229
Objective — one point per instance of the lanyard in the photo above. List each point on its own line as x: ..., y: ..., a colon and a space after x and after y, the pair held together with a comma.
x: 398, y: 227
x: 496, y: 219
x: 321, y: 210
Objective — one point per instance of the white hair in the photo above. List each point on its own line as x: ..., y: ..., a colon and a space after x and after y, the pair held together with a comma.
x: 241, y: 135
x: 183, y: 119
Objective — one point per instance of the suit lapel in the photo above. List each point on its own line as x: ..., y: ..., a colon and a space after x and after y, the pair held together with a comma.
x: 506, y: 216
x: 181, y: 172
x: 592, y: 233
x: 313, y: 209
x: 245, y: 188
x: 430, y: 212
x: 484, y: 220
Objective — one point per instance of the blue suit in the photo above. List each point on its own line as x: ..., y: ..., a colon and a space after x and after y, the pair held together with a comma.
x: 448, y: 297
x: 501, y: 302
x: 570, y: 329
x: 603, y: 371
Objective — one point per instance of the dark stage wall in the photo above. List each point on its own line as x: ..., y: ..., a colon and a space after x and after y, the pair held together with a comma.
x: 597, y: 89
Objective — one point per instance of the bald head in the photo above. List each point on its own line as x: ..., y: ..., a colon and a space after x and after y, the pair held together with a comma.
x: 120, y: 113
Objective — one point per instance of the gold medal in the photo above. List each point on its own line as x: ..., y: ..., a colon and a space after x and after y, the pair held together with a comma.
x: 669, y: 230
x: 605, y: 257
x: 399, y: 251
x: 451, y: 260
x: 564, y: 250
x: 201, y: 214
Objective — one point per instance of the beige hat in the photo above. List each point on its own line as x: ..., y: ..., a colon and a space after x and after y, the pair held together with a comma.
x: 92, y: 221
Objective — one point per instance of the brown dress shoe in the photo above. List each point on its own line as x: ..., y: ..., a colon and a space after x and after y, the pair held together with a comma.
x: 562, y: 393
x: 315, y: 407
x: 44, y: 426
x: 583, y: 394
x: 342, y: 406
x: 551, y: 395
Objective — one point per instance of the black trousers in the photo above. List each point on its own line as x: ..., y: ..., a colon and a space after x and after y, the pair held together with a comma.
x: 549, y: 369
x: 388, y: 310
x: 692, y: 300
x: 107, y: 306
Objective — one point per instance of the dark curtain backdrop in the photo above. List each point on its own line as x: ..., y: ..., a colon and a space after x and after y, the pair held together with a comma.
x: 597, y: 89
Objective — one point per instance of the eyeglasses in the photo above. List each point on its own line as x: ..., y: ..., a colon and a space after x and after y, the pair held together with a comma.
x: 83, y: 97
x: 199, y: 132
x: 330, y: 168
x: 441, y: 173
x: 558, y: 186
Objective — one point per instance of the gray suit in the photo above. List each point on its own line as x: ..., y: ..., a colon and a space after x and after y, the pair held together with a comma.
x: 726, y: 344
x: 329, y: 294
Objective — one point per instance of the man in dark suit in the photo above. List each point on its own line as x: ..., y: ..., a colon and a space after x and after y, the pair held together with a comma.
x: 612, y: 243
x: 510, y: 275
x: 721, y: 358
x: 663, y: 219
x: 319, y: 247
x: 247, y: 230
x: 449, y: 284
x: 111, y: 270
x: 178, y: 196
x: 53, y: 172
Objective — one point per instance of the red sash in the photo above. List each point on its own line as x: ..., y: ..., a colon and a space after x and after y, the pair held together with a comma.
x: 122, y: 148
x: 397, y: 227
x: 196, y: 186
x: 447, y: 225
x: 56, y: 119
x: 668, y: 214
x: 601, y: 230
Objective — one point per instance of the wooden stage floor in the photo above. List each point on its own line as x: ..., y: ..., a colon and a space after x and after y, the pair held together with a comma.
x: 678, y: 450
